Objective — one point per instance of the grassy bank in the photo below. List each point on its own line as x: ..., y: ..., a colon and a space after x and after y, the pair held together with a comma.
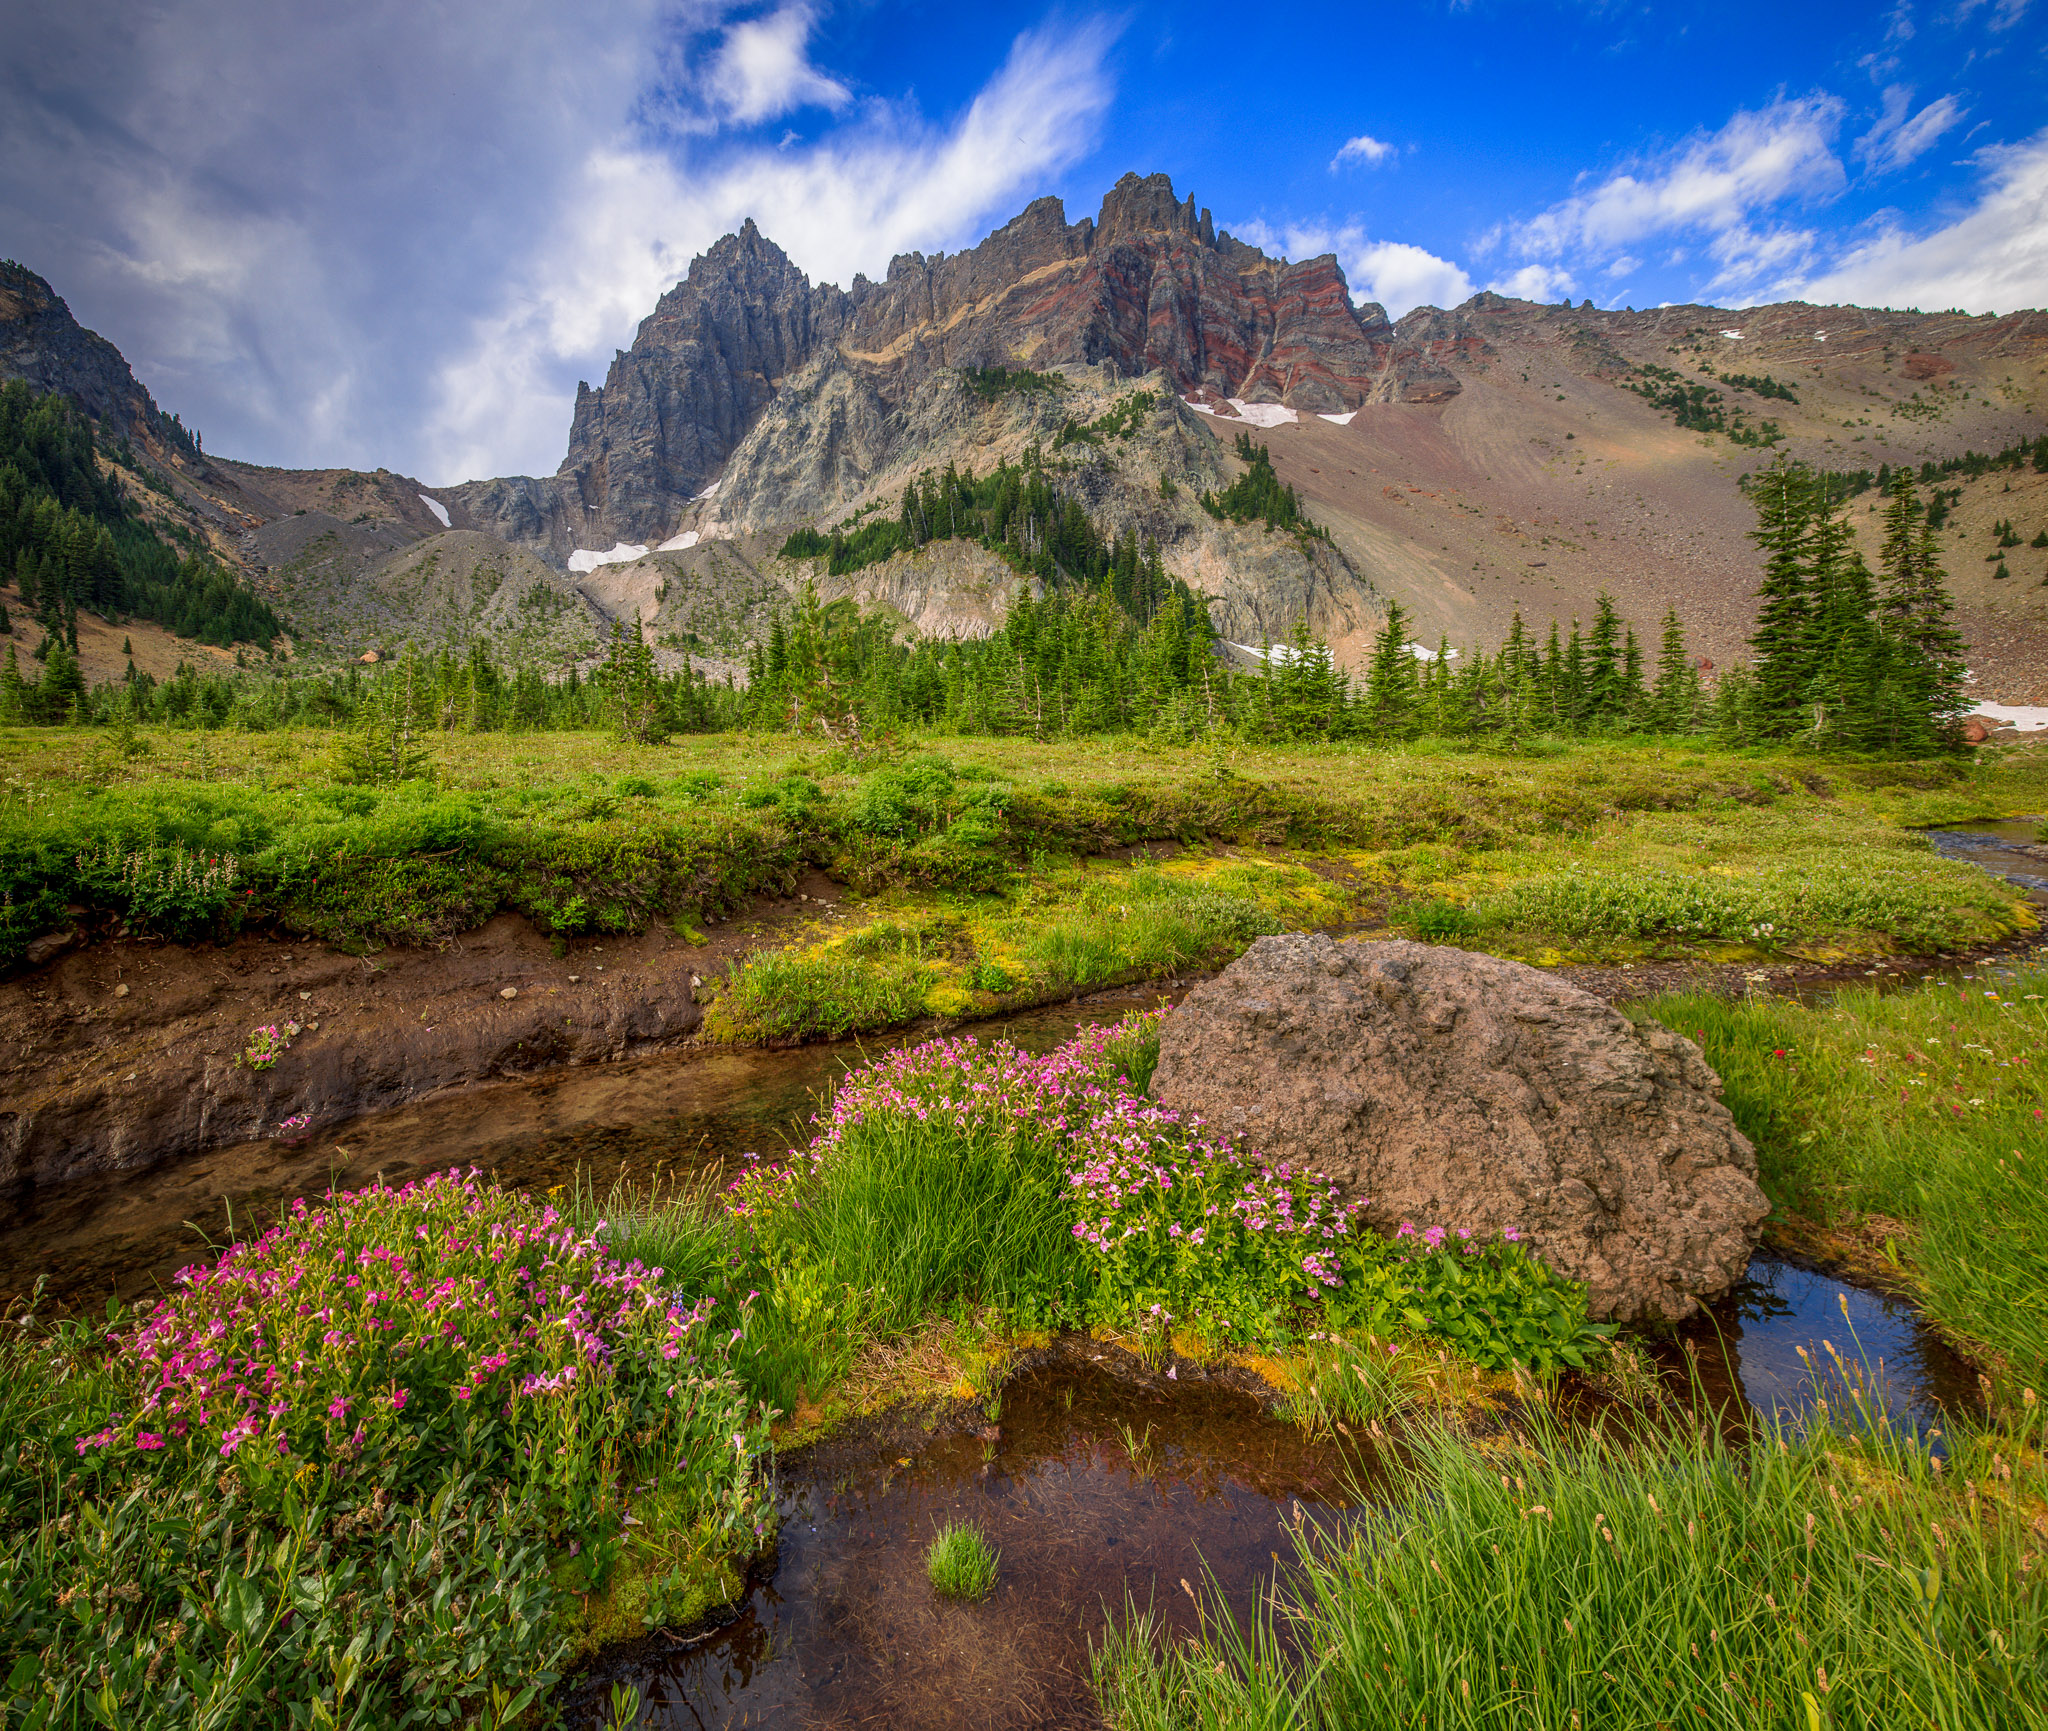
x: 972, y: 887
x: 1839, y: 1577
x: 1911, y: 1127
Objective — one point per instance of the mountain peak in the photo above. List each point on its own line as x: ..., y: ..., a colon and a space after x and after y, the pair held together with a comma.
x: 1146, y: 205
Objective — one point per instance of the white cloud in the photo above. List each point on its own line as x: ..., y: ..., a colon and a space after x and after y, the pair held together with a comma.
x: 763, y: 70
x: 1896, y: 140
x: 627, y: 224
x: 398, y: 234
x: 1399, y: 276
x: 2004, y: 13
x: 1992, y: 258
x: 1712, y: 186
x: 1536, y: 282
x: 279, y: 214
x: 1362, y: 149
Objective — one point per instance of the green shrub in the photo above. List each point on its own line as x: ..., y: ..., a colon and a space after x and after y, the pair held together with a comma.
x: 1438, y: 922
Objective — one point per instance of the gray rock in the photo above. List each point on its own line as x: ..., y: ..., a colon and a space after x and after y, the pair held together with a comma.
x: 1463, y: 1090
x: 1149, y: 286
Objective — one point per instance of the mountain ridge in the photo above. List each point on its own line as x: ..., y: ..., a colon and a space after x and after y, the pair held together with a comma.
x: 1496, y: 455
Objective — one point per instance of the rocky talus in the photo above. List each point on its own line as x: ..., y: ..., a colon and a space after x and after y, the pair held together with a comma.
x: 1466, y: 1091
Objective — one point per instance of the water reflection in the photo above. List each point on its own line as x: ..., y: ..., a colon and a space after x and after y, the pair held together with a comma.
x: 1788, y: 1335
x: 1095, y: 1488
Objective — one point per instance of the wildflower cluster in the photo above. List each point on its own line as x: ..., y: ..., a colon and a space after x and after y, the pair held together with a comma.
x: 400, y: 1325
x: 268, y: 1044
x: 1178, y: 1223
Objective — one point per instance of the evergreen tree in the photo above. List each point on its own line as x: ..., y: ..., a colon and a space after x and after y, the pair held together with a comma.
x: 1602, y: 676
x: 1674, y: 701
x: 61, y: 693
x: 1914, y: 612
x: 1390, y: 680
x: 1784, y: 637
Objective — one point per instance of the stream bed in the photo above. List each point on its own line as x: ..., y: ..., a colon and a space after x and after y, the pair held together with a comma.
x: 1101, y: 1486
x: 1105, y: 1487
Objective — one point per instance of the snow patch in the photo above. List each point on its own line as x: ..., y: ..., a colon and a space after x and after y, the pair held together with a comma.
x: 708, y: 491
x: 622, y: 554
x: 1278, y: 653
x: 1252, y: 414
x: 676, y: 543
x: 1733, y: 336
x: 2026, y: 719
x: 1343, y: 420
x: 1423, y: 654
x: 440, y: 510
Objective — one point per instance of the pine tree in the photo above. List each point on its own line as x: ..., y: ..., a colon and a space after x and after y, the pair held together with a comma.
x: 62, y: 690
x: 1390, y: 679
x: 1784, y: 637
x: 1914, y: 612
x: 1675, y: 699
x: 1604, y: 685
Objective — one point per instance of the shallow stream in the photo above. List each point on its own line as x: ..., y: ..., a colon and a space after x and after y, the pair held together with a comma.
x: 1102, y: 1484
x: 2015, y: 849
x: 1099, y: 1490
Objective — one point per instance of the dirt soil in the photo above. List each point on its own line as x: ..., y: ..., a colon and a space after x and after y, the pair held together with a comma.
x: 127, y: 1052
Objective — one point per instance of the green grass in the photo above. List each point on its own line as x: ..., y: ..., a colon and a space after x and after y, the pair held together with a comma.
x: 1595, y: 850
x: 785, y: 995
x: 961, y: 1563
x: 1924, y: 1111
x: 1836, y: 1577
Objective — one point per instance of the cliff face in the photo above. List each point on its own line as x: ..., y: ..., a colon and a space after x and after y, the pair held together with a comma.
x: 41, y: 343
x: 1147, y: 286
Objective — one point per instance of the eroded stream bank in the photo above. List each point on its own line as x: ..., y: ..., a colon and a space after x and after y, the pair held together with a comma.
x: 125, y: 1234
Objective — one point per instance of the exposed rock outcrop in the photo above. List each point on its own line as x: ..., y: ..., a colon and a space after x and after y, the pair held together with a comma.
x: 1463, y: 1090
x: 1148, y: 286
x: 42, y: 344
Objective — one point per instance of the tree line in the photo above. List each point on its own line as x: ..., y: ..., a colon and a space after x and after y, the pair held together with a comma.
x: 70, y: 540
x: 1844, y: 660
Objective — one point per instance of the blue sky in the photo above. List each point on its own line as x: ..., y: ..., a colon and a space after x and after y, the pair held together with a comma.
x: 397, y: 234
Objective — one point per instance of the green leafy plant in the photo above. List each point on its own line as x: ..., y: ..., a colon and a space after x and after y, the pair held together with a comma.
x: 961, y: 1563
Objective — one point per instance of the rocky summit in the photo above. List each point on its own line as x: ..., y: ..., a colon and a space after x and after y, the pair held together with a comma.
x: 1474, y: 463
x: 1149, y: 285
x: 1466, y: 1091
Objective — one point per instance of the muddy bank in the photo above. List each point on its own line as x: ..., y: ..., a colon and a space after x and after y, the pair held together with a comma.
x: 124, y: 1054
x: 694, y: 1108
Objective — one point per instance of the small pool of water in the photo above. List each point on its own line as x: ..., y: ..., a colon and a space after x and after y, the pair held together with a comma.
x: 1099, y: 1491
x: 1788, y: 1335
x: 2014, y: 849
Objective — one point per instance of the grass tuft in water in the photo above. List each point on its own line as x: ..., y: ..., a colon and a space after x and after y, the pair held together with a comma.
x: 961, y: 1563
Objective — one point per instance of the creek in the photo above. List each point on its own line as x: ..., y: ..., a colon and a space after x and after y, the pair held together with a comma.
x: 1103, y: 1484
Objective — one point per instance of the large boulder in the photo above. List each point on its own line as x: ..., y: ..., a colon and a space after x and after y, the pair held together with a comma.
x: 1462, y: 1090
